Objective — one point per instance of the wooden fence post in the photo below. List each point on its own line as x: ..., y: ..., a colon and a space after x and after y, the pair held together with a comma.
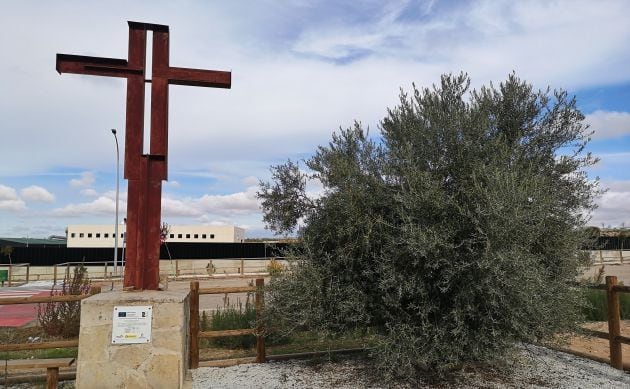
x: 194, y: 325
x: 10, y: 274
x: 55, y: 275
x: 261, y: 356
x: 28, y: 271
x: 614, y: 330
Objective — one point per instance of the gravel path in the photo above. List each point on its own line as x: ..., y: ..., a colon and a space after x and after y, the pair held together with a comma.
x: 535, y: 367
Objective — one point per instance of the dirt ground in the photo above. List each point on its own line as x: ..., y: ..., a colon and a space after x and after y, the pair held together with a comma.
x: 599, y: 347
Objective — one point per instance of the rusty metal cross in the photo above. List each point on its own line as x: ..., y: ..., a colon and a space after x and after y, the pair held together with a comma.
x: 144, y: 172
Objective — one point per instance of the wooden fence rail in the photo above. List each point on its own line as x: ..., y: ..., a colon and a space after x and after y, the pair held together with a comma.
x: 195, y: 332
x: 42, y: 300
x: 614, y: 337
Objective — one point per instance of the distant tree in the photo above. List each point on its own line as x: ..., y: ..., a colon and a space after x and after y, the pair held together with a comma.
x: 453, y: 236
x: 165, y: 230
x: 7, y: 251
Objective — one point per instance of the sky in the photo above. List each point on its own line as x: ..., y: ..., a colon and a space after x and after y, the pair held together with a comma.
x: 300, y: 71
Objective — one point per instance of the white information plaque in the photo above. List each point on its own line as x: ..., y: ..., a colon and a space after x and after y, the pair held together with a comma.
x: 131, y: 324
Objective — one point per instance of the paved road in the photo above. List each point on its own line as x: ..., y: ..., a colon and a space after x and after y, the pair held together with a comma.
x: 19, y: 315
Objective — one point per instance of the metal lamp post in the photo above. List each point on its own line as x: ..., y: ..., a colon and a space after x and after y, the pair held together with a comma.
x: 122, y: 260
x: 116, y: 222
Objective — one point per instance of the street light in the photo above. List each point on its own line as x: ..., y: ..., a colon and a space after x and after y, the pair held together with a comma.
x: 122, y: 260
x: 116, y: 222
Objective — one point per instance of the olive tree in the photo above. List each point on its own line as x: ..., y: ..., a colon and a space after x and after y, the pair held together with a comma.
x: 452, y: 235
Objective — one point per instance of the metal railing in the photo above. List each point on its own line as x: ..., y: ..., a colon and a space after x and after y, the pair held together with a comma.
x: 11, y: 273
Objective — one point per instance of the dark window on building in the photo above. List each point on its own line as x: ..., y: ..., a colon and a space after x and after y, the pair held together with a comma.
x: 204, y: 236
x: 187, y: 236
x: 89, y: 234
x: 179, y: 236
x: 80, y: 235
x: 211, y: 236
x: 72, y: 235
x: 196, y: 236
x: 106, y: 235
x: 172, y: 236
x: 98, y: 234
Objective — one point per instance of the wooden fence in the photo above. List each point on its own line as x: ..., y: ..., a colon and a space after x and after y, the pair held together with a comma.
x: 43, y: 300
x: 196, y: 334
x: 614, y: 337
x: 261, y: 353
x: 611, y: 287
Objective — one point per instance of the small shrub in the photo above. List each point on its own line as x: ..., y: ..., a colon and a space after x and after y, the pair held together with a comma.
x: 63, y: 318
x: 233, y: 317
x: 597, y: 306
x: 204, y: 325
x: 275, y: 268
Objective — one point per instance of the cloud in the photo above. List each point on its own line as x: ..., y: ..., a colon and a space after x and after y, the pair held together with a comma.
x: 228, y: 205
x: 87, y: 179
x: 609, y: 124
x: 300, y: 70
x: 12, y: 205
x: 37, y: 194
x: 9, y: 200
x: 614, y: 205
x: 250, y: 181
x: 174, y: 207
x: 101, y: 206
x: 171, y: 184
x: 88, y: 192
x: 7, y: 193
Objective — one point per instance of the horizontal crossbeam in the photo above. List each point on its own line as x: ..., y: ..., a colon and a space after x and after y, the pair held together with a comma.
x: 98, y: 66
x: 195, y: 77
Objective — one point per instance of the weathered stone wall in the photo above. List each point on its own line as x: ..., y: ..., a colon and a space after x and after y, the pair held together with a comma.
x: 162, y: 363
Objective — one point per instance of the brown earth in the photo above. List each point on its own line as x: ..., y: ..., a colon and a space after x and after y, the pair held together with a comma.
x: 599, y: 347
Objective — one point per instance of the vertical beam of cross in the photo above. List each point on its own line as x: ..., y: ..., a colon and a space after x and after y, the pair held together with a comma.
x: 145, y: 172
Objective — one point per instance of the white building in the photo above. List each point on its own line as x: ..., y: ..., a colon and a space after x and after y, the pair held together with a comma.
x: 102, y: 235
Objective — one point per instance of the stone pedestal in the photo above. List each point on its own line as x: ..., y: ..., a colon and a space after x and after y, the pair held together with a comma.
x: 161, y: 363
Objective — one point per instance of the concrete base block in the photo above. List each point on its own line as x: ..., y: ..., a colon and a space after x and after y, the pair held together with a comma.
x: 162, y: 363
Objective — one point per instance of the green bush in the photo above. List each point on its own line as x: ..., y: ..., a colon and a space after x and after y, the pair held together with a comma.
x: 234, y: 317
x: 596, y: 305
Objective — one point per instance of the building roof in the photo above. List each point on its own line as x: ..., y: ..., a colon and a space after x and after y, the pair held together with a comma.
x: 19, y: 242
